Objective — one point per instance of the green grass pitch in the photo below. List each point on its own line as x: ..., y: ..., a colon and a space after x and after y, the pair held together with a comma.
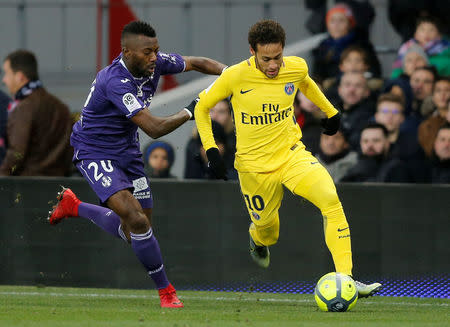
x: 84, y: 307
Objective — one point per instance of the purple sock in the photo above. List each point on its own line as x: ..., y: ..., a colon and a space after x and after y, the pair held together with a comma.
x: 147, y: 250
x: 103, y: 217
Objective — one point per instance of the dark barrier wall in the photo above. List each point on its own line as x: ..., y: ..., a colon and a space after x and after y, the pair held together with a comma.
x: 202, y: 227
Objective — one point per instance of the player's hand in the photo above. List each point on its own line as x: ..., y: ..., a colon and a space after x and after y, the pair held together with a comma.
x: 331, y: 125
x: 216, y: 164
x: 191, y: 107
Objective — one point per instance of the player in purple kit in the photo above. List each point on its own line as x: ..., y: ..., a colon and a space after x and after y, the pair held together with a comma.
x: 107, y: 150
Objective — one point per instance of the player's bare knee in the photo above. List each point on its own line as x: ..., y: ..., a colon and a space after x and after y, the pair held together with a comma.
x: 138, y: 223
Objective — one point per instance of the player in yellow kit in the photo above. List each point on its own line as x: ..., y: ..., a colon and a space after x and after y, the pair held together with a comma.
x: 269, y: 152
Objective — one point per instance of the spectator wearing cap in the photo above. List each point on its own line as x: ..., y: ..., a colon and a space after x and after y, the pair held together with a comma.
x: 399, y: 84
x: 196, y: 163
x: 413, y: 58
x: 158, y: 159
x: 336, y: 155
x: 341, y: 25
x: 428, y: 36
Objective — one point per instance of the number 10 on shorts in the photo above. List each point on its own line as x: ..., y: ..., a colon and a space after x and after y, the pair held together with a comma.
x: 255, y: 202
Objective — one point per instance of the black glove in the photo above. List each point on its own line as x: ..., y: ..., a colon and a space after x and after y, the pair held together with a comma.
x: 191, y: 107
x: 331, y: 125
x: 216, y: 164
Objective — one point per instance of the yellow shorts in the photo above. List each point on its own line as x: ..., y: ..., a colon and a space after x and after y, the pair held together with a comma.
x: 263, y: 192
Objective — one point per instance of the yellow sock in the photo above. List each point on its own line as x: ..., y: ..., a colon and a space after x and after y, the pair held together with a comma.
x: 337, y: 237
x: 318, y: 187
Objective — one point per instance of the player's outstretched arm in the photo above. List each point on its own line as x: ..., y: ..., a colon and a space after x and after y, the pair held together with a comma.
x: 310, y: 89
x: 155, y: 126
x: 204, y: 65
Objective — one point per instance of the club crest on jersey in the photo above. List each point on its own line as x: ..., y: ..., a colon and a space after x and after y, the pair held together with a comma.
x: 106, y: 181
x: 255, y: 215
x: 289, y: 88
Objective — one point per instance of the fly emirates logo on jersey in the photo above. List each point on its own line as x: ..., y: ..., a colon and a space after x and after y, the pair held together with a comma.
x: 271, y: 113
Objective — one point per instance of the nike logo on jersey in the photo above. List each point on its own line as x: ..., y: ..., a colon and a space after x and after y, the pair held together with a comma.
x: 243, y: 92
x: 313, y: 163
x: 342, y: 229
x: 125, y: 80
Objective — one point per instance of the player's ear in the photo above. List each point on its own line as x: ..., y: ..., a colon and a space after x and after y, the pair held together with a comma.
x: 125, y: 52
x: 253, y: 52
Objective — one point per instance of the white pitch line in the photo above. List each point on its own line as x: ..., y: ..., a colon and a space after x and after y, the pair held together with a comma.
x: 219, y: 298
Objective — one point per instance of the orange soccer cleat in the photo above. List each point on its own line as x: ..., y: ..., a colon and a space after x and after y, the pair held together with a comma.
x: 169, y: 298
x: 67, y: 206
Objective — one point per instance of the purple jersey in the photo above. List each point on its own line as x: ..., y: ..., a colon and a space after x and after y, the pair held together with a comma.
x: 105, y: 130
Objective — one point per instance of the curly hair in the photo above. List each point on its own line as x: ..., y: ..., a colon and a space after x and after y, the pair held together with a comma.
x: 266, y: 31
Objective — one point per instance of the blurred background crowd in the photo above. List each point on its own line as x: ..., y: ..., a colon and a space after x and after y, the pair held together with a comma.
x: 395, y: 114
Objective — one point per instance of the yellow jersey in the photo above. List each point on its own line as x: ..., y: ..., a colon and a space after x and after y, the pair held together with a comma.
x: 263, y: 111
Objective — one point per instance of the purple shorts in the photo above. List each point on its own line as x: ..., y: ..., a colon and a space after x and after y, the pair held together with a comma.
x: 107, y: 177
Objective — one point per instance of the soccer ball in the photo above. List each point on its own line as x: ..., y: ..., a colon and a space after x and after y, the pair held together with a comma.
x: 336, y: 292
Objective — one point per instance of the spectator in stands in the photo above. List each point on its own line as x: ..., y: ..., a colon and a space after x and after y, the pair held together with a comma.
x: 428, y: 36
x: 428, y: 129
x: 308, y: 117
x: 335, y: 154
x: 363, y: 10
x: 158, y: 159
x: 438, y: 99
x: 403, y: 15
x: 422, y: 83
x: 414, y: 58
x: 374, y: 163
x: 4, y: 101
x: 355, y: 104
x: 196, y: 163
x: 340, y: 26
x: 440, y: 161
x: 221, y: 113
x: 353, y: 59
x: 39, y: 124
x: 403, y: 143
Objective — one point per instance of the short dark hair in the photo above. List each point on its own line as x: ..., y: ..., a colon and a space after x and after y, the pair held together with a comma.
x: 445, y: 126
x: 25, y: 62
x: 430, y: 69
x: 138, y: 28
x: 355, y: 48
x: 429, y: 19
x: 441, y: 78
x: 266, y: 31
x: 375, y: 125
x: 391, y: 97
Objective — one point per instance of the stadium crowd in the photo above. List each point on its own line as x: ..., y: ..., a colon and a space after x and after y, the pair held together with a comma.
x: 393, y: 129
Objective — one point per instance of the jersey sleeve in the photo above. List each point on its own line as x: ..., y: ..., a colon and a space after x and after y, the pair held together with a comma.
x: 310, y: 89
x: 124, y: 96
x: 171, y: 63
x: 217, y: 91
